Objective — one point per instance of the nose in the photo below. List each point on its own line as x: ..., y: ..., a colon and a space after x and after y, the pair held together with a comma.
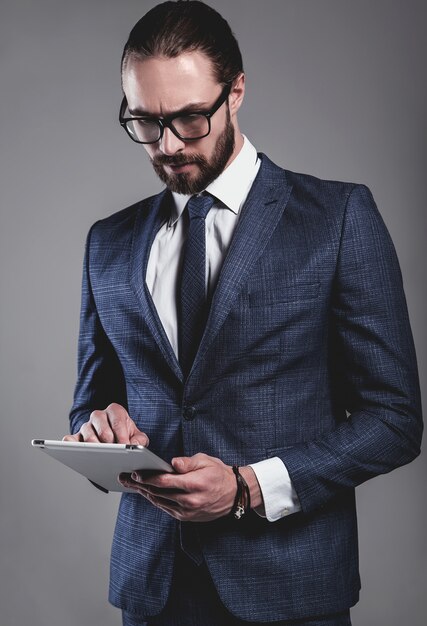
x: 170, y: 144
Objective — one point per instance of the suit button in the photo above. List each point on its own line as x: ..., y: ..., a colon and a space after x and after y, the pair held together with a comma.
x: 189, y: 413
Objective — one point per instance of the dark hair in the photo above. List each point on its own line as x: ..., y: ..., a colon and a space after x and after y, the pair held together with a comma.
x: 171, y: 28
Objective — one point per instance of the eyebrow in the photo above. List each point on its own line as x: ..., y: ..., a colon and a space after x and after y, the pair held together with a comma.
x: 189, y: 108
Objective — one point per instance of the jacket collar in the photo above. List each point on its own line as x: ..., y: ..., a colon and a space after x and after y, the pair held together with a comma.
x: 243, y: 168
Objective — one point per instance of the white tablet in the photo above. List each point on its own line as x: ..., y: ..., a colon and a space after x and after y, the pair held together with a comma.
x: 102, y: 463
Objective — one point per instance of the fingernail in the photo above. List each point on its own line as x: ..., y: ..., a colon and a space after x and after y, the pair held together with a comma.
x: 135, y: 477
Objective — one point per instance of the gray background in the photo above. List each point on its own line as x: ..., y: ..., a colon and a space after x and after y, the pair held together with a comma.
x: 336, y: 88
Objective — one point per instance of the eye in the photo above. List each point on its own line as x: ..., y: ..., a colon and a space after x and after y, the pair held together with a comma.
x: 192, y: 125
x: 144, y: 130
x: 144, y: 124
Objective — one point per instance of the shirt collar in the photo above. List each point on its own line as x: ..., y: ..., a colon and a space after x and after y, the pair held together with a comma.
x: 243, y: 168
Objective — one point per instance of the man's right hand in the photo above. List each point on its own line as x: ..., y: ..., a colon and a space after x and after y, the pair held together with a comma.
x: 113, y: 425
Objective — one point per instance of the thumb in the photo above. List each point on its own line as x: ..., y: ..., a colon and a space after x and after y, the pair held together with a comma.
x: 185, y: 464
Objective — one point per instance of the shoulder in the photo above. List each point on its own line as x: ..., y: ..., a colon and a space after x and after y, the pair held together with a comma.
x: 121, y: 223
x: 128, y: 215
x: 308, y: 185
x: 321, y: 196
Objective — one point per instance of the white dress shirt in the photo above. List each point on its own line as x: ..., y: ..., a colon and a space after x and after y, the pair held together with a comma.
x: 230, y: 190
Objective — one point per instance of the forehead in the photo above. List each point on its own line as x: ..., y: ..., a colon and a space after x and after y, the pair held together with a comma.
x: 162, y: 85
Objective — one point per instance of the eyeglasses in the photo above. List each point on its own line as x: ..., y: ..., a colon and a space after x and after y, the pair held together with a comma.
x: 188, y: 127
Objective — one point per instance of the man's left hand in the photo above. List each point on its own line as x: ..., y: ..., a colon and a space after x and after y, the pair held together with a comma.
x: 202, y: 489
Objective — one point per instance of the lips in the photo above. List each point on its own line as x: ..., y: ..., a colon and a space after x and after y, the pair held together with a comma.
x: 180, y: 168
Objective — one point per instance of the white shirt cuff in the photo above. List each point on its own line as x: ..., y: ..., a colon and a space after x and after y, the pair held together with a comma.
x: 279, y: 495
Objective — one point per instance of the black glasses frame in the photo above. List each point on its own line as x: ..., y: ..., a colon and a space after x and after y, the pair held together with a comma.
x: 167, y: 121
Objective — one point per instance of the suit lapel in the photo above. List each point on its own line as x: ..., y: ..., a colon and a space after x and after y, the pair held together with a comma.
x: 260, y: 215
x: 153, y: 212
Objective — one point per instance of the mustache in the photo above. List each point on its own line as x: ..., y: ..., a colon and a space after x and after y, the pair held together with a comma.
x: 178, y: 159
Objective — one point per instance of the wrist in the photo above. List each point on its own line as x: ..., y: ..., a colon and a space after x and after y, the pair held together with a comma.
x: 255, y: 491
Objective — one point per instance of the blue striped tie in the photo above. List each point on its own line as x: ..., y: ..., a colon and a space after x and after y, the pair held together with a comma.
x: 193, y: 301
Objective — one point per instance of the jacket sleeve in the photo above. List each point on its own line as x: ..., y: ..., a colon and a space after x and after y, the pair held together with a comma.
x: 100, y: 379
x: 373, y: 365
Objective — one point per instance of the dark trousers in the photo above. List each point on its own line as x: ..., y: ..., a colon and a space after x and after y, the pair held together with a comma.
x: 193, y: 601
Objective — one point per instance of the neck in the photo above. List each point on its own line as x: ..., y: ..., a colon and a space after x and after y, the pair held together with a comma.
x: 238, y: 144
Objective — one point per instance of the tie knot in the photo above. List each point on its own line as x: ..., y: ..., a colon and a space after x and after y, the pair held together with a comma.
x: 199, y: 206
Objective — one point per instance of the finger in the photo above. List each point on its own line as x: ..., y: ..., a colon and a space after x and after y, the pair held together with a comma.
x: 165, y: 504
x: 182, y: 511
x: 88, y: 433
x: 168, y: 495
x: 163, y: 499
x: 126, y: 481
x: 162, y: 502
x: 124, y: 477
x: 144, y: 474
x: 139, y: 438
x: 117, y: 418
x: 121, y: 424
x: 76, y: 437
x: 147, y: 492
x: 161, y: 480
x: 101, y: 426
x: 174, y: 495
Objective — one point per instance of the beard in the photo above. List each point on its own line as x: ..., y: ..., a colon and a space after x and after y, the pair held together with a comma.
x: 209, y: 170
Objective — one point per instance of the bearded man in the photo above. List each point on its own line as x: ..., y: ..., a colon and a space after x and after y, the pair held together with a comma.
x: 249, y: 324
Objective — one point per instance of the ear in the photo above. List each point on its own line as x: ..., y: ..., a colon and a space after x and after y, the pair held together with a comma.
x: 237, y: 94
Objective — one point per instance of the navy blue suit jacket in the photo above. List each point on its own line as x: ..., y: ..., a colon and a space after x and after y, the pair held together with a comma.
x: 307, y: 355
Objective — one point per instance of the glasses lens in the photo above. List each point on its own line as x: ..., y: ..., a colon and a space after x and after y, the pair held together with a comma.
x: 191, y: 126
x: 144, y: 131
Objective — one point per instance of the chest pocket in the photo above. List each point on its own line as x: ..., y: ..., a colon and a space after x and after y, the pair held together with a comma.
x: 277, y: 291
